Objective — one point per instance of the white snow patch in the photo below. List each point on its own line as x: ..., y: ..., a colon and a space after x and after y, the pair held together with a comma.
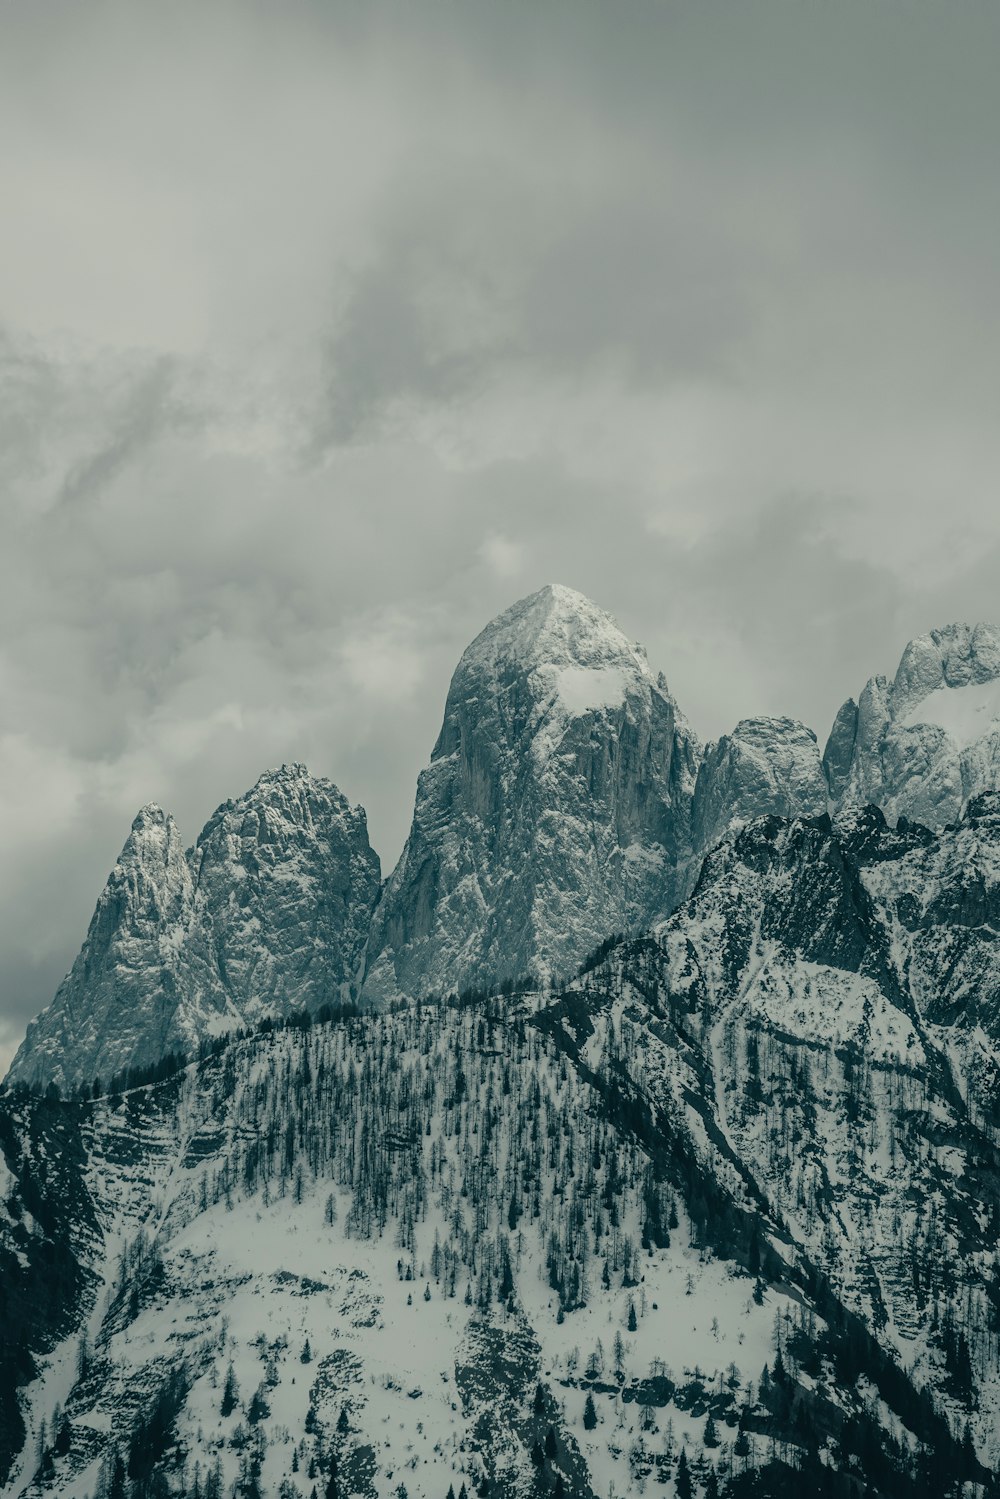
x: 965, y: 713
x: 582, y: 689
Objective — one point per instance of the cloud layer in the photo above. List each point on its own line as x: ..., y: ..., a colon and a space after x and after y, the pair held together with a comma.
x: 328, y: 330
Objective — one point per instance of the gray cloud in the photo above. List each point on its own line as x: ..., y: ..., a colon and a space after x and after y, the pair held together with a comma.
x: 328, y: 336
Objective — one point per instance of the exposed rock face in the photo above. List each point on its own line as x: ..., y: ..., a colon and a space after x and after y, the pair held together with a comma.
x: 566, y: 800
x: 555, y: 809
x: 765, y: 766
x: 940, y: 899
x: 126, y: 996
x: 267, y: 914
x: 921, y: 745
x: 285, y: 883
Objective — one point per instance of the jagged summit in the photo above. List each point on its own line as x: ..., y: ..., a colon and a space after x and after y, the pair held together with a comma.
x: 565, y: 798
x: 956, y: 655
x: 557, y: 626
x: 568, y: 657
x: 764, y: 766
x: 267, y: 914
x: 555, y: 807
x: 923, y: 743
x: 151, y: 815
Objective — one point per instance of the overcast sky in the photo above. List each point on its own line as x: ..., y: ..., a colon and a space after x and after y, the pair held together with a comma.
x: 328, y: 330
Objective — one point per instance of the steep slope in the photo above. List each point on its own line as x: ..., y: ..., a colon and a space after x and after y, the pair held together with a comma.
x: 285, y: 881
x: 139, y: 983
x: 266, y: 915
x: 510, y: 1244
x: 941, y: 900
x: 556, y: 806
x: 823, y: 1070
x: 921, y: 745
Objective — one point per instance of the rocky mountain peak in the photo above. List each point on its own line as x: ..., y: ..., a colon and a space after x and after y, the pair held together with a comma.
x: 764, y: 766
x: 555, y: 627
x: 150, y: 874
x: 267, y: 914
x: 554, y: 657
x: 922, y: 744
x: 286, y: 881
x: 282, y: 799
x: 957, y: 655
x: 555, y: 807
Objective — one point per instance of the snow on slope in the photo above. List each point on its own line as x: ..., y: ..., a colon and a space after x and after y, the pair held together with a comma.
x: 411, y: 1347
x: 964, y: 713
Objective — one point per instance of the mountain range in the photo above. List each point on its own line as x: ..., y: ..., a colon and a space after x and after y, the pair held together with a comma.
x: 639, y: 1133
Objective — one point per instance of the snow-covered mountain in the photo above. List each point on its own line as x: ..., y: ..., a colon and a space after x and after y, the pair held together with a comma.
x: 566, y: 799
x: 732, y: 1193
x: 267, y: 915
x: 765, y: 766
x: 921, y: 745
x: 713, y: 1209
x: 556, y: 807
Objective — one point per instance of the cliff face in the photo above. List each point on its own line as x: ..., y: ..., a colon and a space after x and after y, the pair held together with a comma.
x: 285, y: 881
x: 556, y: 806
x: 266, y: 915
x: 765, y: 766
x: 923, y: 744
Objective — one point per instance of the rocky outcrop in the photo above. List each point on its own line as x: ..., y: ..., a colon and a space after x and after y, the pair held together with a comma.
x: 765, y: 766
x: 266, y: 915
x: 923, y: 744
x: 940, y: 899
x: 555, y: 809
x: 285, y: 881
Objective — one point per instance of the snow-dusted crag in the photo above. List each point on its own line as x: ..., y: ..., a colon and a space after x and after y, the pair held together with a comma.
x: 555, y: 809
x: 765, y: 766
x: 921, y: 745
x: 266, y: 915
x: 718, y: 1213
x: 545, y: 1242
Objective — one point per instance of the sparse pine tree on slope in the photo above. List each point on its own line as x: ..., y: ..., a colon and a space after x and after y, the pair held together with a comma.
x: 230, y: 1393
x: 332, y: 1486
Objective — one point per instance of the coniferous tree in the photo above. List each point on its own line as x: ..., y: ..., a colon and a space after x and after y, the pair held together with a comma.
x: 230, y: 1393
x: 116, y: 1477
x: 332, y: 1486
